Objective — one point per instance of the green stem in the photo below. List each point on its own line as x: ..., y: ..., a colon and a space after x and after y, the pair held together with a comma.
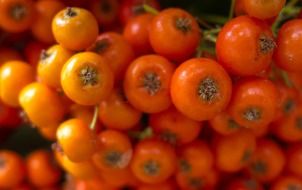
x: 206, y: 45
x: 203, y: 23
x: 199, y: 52
x: 286, y: 79
x: 212, y: 31
x: 95, y: 118
x: 288, y: 11
x: 211, y: 35
x: 216, y: 19
x: 210, y: 38
x: 150, y: 9
x: 146, y: 133
x: 231, y: 13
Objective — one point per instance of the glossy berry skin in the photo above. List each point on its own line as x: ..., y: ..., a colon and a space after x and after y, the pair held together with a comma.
x: 49, y: 132
x: 105, y: 11
x: 224, y: 124
x: 12, y: 169
x: 287, y: 55
x: 173, y: 127
x: 51, y: 63
x: 132, y: 8
x: 114, y: 151
x: 14, y: 76
x: 77, y: 140
x: 250, y: 46
x: 136, y: 32
x: 148, y: 78
x: 288, y: 129
x: 75, y: 28
x: 85, y: 113
x: 86, y: 78
x: 254, y: 102
x: 46, y: 10
x: 116, y: 112
x: 153, y: 161
x: 123, y: 177
x: 116, y: 51
x: 263, y: 9
x: 200, y: 88
x: 195, y: 164
x: 289, y: 100
x: 42, y: 105
x: 174, y: 34
x: 81, y: 170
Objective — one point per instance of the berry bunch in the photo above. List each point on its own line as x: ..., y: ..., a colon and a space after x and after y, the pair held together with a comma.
x: 138, y: 97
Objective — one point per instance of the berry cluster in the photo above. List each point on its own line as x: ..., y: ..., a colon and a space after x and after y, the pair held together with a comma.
x: 138, y: 97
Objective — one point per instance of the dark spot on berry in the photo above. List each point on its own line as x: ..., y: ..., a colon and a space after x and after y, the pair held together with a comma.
x: 151, y: 168
x: 112, y: 158
x: 70, y: 12
x: 252, y: 114
x: 44, y: 55
x: 169, y: 137
x: 208, y: 90
x: 18, y: 12
x: 183, y: 24
x: 246, y: 156
x: 151, y: 83
x: 195, y: 183
x: 88, y: 76
x: 259, y: 167
x: 266, y: 44
x: 184, y: 166
x: 288, y: 106
x: 233, y: 124
x: 101, y: 46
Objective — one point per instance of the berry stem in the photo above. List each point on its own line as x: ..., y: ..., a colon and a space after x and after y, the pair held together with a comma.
x: 231, y: 13
x: 199, y: 51
x: 208, y: 42
x: 95, y: 118
x: 203, y: 23
x: 211, y: 35
x: 150, y: 9
x: 287, y: 12
x: 212, y: 31
x: 280, y: 74
x: 216, y: 19
x: 211, y: 38
x: 205, y: 46
x: 140, y: 135
x: 286, y: 79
